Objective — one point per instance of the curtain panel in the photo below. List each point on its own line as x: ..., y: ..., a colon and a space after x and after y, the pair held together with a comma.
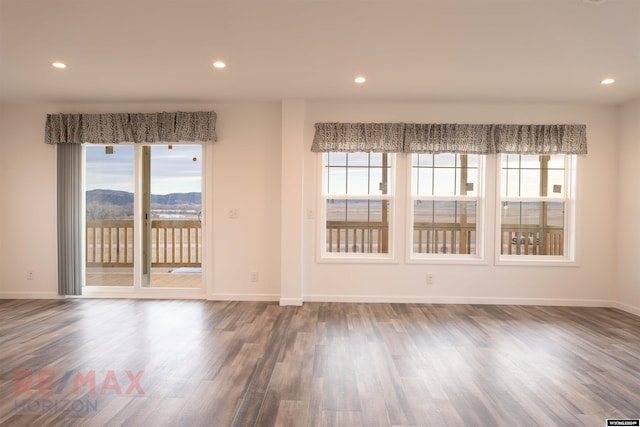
x: 69, y: 210
x: 130, y: 127
x: 450, y: 138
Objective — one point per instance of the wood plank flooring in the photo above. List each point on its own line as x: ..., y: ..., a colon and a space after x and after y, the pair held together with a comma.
x: 197, y: 363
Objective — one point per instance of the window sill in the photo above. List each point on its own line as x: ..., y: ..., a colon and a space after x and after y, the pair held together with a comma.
x: 535, y: 261
x: 447, y: 260
x: 357, y: 259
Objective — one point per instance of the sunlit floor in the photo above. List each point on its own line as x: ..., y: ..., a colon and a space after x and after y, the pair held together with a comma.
x: 160, y: 278
x: 235, y: 364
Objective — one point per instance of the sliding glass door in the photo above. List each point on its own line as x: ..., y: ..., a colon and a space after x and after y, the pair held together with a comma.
x: 172, y: 204
x: 146, y: 194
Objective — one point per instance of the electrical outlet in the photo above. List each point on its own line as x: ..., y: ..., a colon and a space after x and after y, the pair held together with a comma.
x: 30, y: 275
x: 429, y: 279
x: 233, y: 213
x: 255, y: 277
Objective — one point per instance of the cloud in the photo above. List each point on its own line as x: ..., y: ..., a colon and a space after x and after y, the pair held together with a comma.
x: 172, y: 171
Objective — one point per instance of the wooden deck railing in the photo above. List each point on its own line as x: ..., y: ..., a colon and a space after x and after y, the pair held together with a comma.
x: 360, y: 237
x: 109, y: 243
x: 443, y: 238
x: 174, y: 243
x: 428, y: 238
x: 532, y: 240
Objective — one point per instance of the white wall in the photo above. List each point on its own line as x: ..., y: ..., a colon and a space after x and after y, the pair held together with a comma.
x: 4, y: 166
x: 29, y: 205
x: 628, y: 247
x: 590, y: 283
x: 242, y: 171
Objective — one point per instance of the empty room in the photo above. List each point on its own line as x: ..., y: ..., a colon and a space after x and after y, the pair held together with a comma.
x: 320, y: 213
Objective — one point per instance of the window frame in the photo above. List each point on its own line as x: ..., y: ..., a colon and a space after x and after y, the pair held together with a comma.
x: 481, y: 224
x: 324, y: 256
x: 570, y: 221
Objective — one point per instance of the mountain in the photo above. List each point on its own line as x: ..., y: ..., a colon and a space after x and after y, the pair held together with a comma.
x: 123, y: 198
x: 109, y: 197
x: 176, y: 199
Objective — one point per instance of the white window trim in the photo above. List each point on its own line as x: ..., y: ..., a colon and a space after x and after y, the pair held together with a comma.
x: 481, y: 223
x: 570, y: 222
x: 349, y: 257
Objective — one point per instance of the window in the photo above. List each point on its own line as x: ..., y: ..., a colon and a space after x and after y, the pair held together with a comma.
x: 536, y: 205
x: 445, y: 205
x: 357, y: 204
x: 449, y: 195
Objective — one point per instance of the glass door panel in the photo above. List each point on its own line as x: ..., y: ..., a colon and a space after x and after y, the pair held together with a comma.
x: 172, y: 204
x: 109, y: 192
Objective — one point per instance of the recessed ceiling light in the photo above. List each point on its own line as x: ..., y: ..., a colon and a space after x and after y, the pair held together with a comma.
x: 607, y: 81
x: 59, y: 64
x: 595, y: 1
x: 360, y: 79
x: 219, y: 64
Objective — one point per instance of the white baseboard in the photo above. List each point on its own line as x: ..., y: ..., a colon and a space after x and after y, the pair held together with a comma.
x: 291, y: 301
x: 243, y: 297
x: 458, y: 300
x: 142, y: 293
x: 29, y: 295
x: 197, y: 294
x: 628, y: 308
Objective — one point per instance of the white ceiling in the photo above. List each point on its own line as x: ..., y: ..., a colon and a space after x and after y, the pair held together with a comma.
x: 409, y: 50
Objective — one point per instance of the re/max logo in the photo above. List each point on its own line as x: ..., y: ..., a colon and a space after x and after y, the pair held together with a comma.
x: 43, y: 381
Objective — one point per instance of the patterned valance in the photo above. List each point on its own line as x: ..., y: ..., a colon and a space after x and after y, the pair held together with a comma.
x: 364, y: 137
x: 450, y: 138
x: 130, y: 127
x: 541, y: 139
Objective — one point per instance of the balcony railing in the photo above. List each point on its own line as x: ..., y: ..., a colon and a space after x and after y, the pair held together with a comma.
x: 444, y: 238
x: 174, y: 243
x: 357, y: 237
x: 177, y: 243
x: 532, y: 240
x: 429, y: 238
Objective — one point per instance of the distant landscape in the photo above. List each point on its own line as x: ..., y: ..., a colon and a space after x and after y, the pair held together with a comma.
x: 113, y: 204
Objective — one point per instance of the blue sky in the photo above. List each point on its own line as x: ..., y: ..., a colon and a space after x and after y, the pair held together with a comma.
x: 172, y: 171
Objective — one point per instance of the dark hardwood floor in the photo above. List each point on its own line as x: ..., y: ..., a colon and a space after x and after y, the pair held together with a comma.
x: 195, y: 363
